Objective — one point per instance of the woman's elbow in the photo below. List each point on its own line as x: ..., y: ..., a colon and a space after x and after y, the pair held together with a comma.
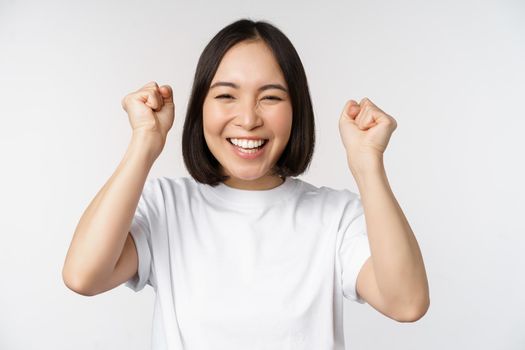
x: 414, y: 312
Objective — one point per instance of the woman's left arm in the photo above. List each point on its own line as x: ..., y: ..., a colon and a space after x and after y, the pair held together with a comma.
x: 393, y: 280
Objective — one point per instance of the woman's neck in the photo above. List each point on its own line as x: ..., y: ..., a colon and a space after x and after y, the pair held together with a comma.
x: 262, y: 183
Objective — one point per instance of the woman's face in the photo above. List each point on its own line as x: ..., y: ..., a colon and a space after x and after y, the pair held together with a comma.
x: 248, y: 99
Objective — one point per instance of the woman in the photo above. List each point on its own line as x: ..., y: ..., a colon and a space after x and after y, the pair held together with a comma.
x: 244, y: 255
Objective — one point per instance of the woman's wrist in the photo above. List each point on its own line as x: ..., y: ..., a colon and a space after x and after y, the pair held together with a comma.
x: 147, y: 144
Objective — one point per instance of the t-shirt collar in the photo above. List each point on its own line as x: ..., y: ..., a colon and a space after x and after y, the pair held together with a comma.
x: 253, y: 198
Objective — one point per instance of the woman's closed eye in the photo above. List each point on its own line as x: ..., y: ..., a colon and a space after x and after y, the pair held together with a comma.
x: 228, y: 96
x: 272, y: 98
x: 224, y: 96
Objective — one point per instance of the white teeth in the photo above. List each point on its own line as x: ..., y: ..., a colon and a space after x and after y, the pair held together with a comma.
x: 249, y: 151
x: 247, y: 143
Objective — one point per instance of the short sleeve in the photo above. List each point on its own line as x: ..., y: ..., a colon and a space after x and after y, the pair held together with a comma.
x: 140, y: 230
x: 354, y: 248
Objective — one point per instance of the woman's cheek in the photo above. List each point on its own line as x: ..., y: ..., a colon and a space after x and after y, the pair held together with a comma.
x: 212, y: 117
x: 282, y: 120
x: 210, y: 128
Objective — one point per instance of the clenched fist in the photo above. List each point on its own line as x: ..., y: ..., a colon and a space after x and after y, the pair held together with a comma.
x: 365, y: 130
x: 151, y: 110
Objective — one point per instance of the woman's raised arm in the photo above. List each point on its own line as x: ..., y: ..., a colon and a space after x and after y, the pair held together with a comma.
x: 102, y: 233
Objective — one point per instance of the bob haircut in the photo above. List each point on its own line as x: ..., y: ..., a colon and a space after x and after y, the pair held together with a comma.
x: 297, y: 155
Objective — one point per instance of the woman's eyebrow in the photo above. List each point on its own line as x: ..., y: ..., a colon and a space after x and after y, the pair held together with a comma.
x: 262, y: 88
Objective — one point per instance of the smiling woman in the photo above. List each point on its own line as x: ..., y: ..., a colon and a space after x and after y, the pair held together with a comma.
x: 249, y: 84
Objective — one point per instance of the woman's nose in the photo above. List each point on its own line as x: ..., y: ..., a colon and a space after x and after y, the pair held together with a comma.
x: 249, y: 116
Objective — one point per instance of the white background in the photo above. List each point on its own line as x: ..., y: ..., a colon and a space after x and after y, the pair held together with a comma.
x: 450, y: 72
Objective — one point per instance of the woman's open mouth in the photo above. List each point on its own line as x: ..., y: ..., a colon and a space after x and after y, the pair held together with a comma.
x: 248, y: 149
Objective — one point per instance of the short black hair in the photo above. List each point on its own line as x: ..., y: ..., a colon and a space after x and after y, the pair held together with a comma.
x: 297, y: 155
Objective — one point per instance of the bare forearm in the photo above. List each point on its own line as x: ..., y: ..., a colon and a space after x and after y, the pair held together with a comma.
x: 102, y: 230
x: 396, y: 257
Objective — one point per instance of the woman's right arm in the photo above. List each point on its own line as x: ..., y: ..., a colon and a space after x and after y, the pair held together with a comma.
x: 102, y: 254
x: 103, y: 228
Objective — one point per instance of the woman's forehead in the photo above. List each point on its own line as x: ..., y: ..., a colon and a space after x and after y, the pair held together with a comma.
x: 249, y: 65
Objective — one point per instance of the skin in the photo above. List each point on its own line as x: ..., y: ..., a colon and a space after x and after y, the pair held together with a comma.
x: 246, y: 111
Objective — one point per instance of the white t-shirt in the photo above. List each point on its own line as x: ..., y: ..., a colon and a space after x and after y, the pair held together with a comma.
x: 240, y: 269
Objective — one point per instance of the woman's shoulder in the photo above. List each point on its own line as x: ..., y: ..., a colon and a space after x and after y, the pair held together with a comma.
x: 327, y: 203
x: 162, y: 185
x: 170, y: 180
x: 327, y: 192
